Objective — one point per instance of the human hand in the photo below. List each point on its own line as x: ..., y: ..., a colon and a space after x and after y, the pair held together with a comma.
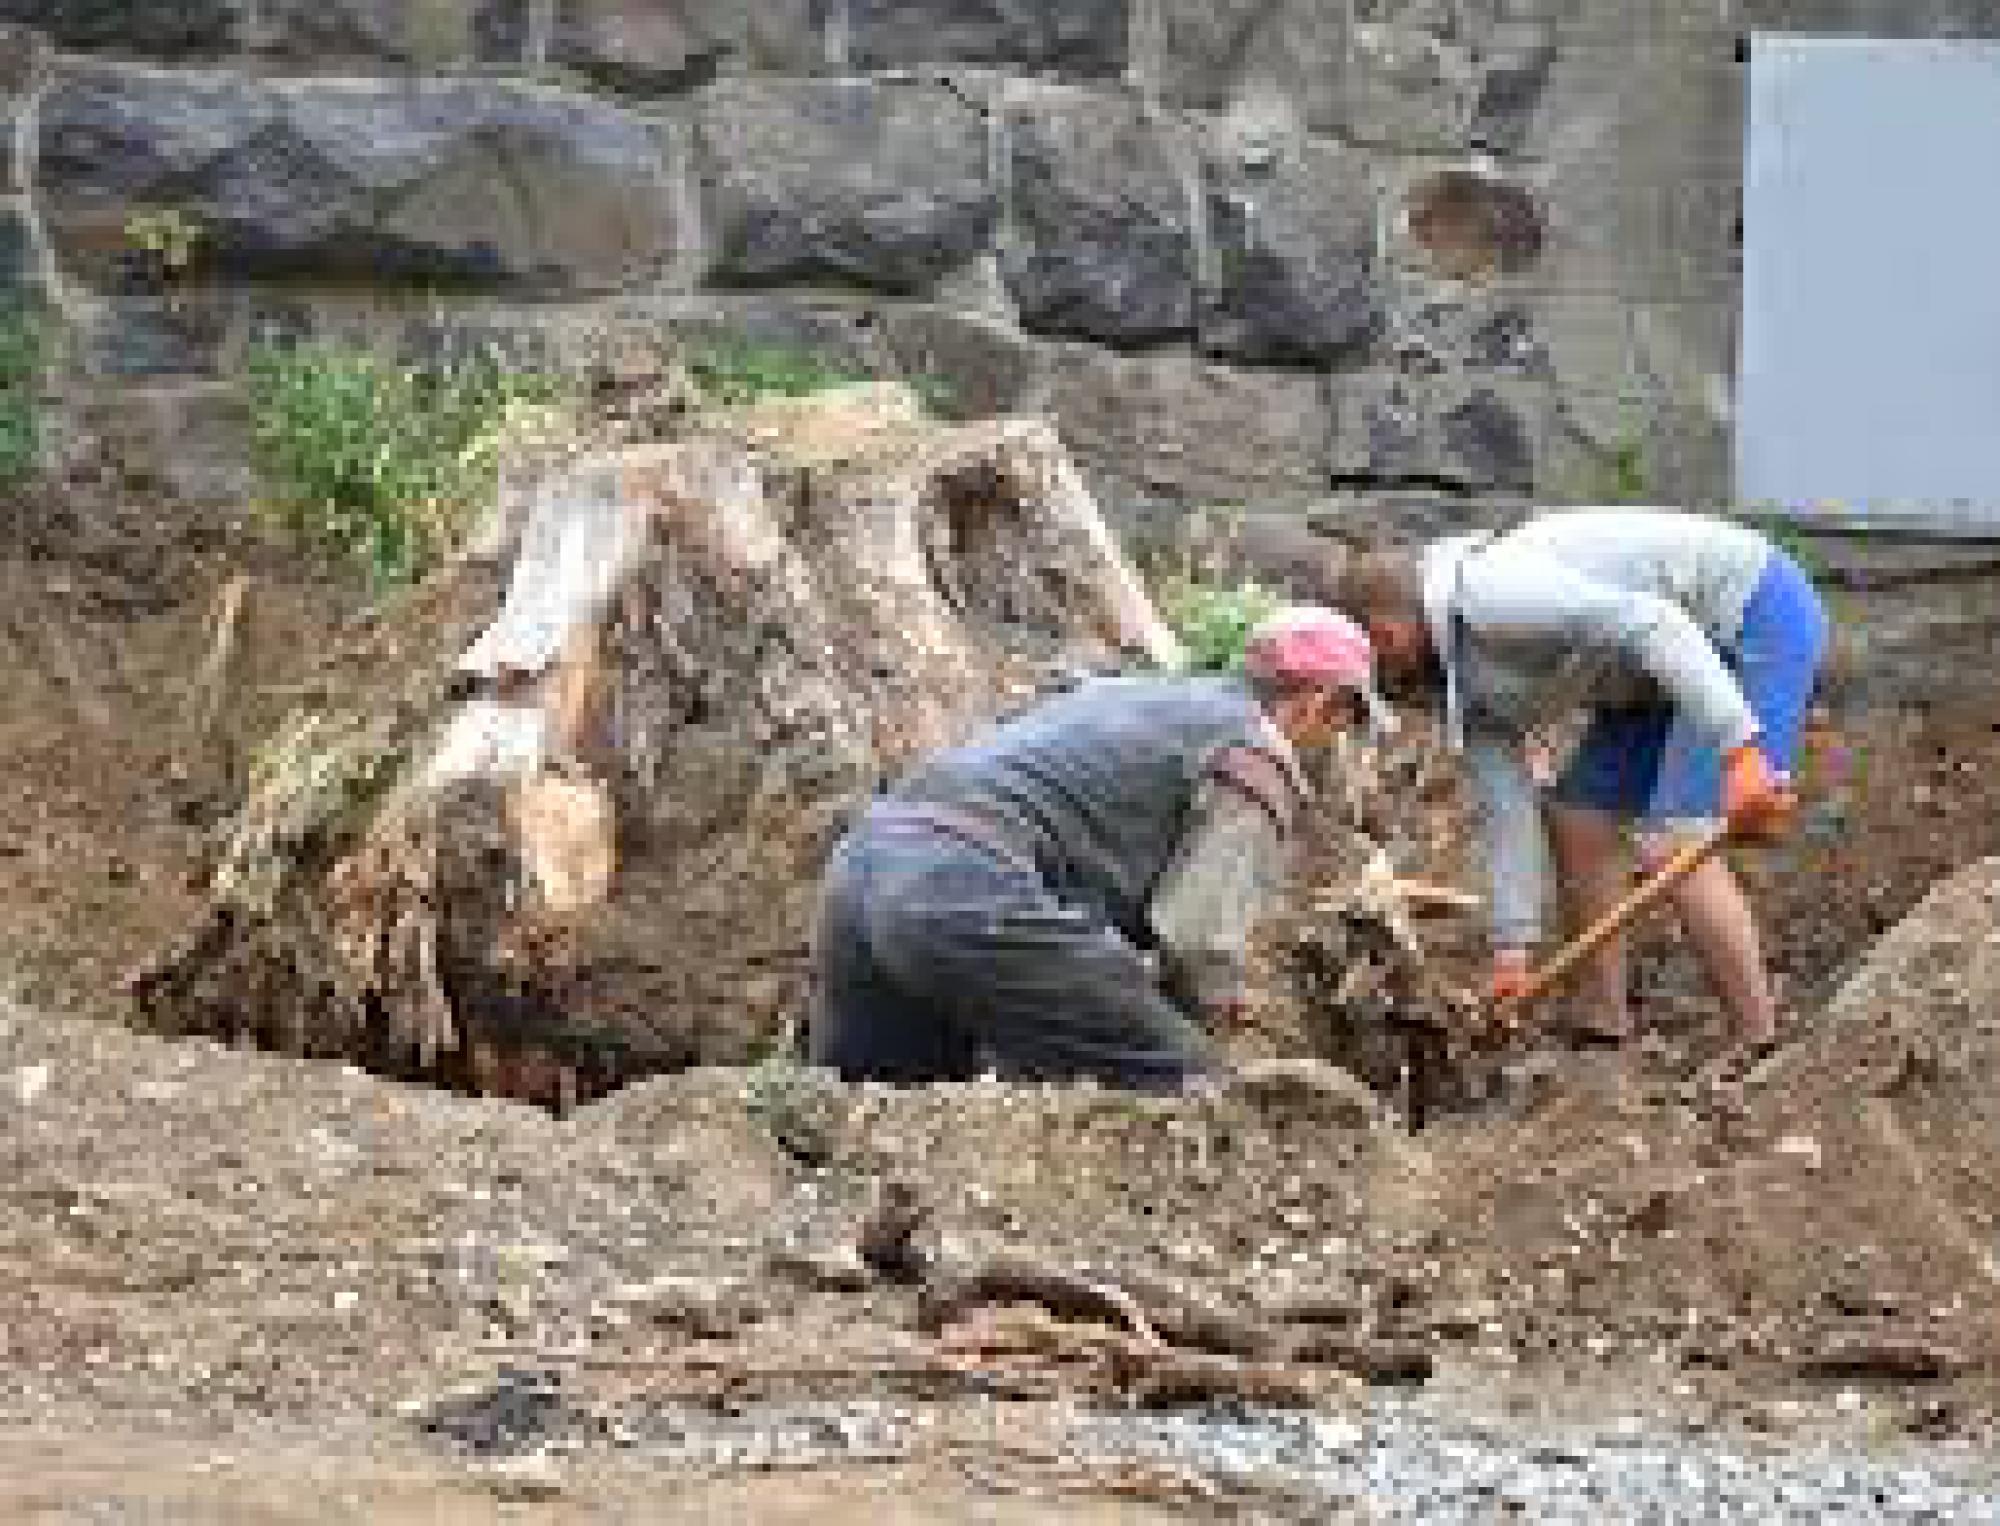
x: 1541, y: 761
x: 1757, y: 800
x: 1511, y: 977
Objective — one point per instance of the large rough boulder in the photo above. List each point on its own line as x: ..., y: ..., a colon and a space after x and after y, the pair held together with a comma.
x: 1102, y: 245
x: 1292, y: 224
x: 845, y: 181
x: 460, y: 180
x: 1410, y: 86
x: 1516, y: 66
x: 1407, y: 75
x: 1465, y: 431
x: 151, y: 28
x: 587, y: 818
x: 402, y: 32
x: 1190, y: 429
x: 646, y: 48
x: 1290, y: 55
x: 309, y: 32
x: 1077, y: 38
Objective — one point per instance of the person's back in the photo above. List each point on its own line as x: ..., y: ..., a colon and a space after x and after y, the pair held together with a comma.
x: 1071, y: 894
x: 1093, y: 786
x: 1591, y: 607
x: 1708, y: 567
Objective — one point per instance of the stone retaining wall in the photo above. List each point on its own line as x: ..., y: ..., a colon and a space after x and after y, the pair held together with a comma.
x: 1240, y: 249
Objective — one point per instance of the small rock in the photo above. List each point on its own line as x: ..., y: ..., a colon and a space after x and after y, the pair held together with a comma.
x: 708, y: 1308
x: 1467, y: 1321
x: 532, y: 1478
x: 1859, y: 1300
x: 839, y: 1269
x: 525, y: 1258
x: 1801, y: 1147
x: 1308, y: 1090
x: 1934, y: 1419
x: 333, y: 1149
x: 888, y: 1239
x: 605, y: 1317
x: 29, y: 1082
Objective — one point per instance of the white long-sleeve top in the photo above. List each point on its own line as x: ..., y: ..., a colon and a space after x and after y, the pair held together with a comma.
x: 1598, y: 607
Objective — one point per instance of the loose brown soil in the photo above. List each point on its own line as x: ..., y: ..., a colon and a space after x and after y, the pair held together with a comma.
x: 237, y: 1239
x: 114, y: 768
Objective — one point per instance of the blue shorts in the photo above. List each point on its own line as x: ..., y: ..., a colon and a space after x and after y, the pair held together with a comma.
x: 1652, y: 763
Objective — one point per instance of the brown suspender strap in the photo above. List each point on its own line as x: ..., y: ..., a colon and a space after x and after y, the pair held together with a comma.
x: 1260, y: 776
x: 960, y: 824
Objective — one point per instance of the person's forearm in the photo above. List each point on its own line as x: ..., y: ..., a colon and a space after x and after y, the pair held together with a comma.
x: 1208, y: 900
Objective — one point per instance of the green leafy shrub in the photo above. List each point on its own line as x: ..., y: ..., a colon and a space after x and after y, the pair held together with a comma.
x: 166, y: 237
x: 20, y: 436
x: 1213, y: 623
x: 23, y: 354
x: 379, y: 462
x: 733, y: 373
x: 1627, y: 479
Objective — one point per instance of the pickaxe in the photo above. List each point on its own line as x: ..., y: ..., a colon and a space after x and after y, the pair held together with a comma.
x: 1642, y: 898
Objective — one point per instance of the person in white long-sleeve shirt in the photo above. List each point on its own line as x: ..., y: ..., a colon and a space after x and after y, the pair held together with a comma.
x: 1694, y: 645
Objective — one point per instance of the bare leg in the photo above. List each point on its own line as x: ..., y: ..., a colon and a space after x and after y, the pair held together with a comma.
x: 1590, y: 864
x: 1720, y: 924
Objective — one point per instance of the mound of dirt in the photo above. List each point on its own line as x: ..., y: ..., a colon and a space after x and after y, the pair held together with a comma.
x: 196, y: 1230
x: 1844, y: 1204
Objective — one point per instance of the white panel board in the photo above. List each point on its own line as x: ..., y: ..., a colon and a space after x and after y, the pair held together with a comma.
x: 1869, y: 380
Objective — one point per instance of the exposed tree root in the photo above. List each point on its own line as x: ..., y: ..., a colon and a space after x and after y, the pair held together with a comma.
x: 568, y: 832
x: 1164, y: 1340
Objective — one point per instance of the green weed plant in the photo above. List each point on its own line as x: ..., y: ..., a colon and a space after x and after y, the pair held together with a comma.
x: 377, y: 462
x: 1214, y: 622
x: 23, y: 357
x: 735, y: 373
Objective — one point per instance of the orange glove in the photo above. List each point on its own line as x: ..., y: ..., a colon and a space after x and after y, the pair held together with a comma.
x: 1509, y: 981
x: 1756, y: 798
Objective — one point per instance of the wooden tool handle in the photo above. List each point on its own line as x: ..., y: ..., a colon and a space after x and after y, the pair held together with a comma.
x: 1690, y: 858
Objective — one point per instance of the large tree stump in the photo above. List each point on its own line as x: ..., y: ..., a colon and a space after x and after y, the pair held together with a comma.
x: 586, y: 818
